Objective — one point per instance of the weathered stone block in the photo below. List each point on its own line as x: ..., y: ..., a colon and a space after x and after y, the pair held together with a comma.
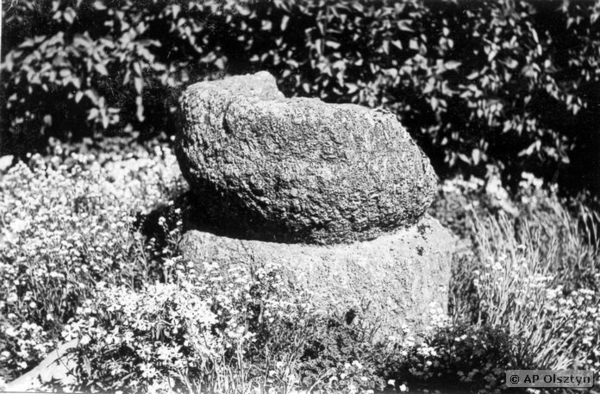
x: 298, y: 170
x: 398, y: 276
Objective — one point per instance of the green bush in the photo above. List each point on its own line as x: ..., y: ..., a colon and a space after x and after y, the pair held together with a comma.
x: 77, y: 67
x: 510, y: 83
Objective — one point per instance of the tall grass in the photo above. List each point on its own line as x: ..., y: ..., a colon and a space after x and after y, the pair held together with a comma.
x: 537, y: 276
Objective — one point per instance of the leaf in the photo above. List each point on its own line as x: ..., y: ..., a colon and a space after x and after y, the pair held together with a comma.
x: 464, y: 158
x: 69, y: 15
x: 332, y: 44
x: 284, y: 22
x: 404, y: 25
x: 78, y: 96
x: 137, y: 68
x: 535, y: 35
x: 452, y: 65
x: 139, y: 84
x: 511, y: 63
x: 266, y: 25
x: 429, y: 86
x: 321, y: 27
x: 140, y: 108
x: 92, y: 94
x: 392, y: 72
x: 93, y: 114
x: 40, y: 39
x: 81, y: 41
x: 175, y: 9
x: 244, y: 11
x: 476, y: 155
x: 386, y: 47
x: 76, y: 81
x: 220, y: 63
x: 318, y: 45
x: 27, y: 43
x: 352, y: 87
x: 99, y: 5
x: 434, y: 103
x: 101, y: 69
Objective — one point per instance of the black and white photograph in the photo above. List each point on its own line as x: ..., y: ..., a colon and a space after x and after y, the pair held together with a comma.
x: 300, y: 196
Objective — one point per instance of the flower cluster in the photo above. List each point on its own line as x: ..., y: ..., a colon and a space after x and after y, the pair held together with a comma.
x: 194, y: 334
x: 67, y: 225
x: 472, y: 356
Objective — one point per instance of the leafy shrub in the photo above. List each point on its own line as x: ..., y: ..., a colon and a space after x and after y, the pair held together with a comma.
x: 507, y: 83
x: 87, y: 66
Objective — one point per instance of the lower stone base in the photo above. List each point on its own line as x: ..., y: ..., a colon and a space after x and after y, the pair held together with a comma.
x: 388, y: 282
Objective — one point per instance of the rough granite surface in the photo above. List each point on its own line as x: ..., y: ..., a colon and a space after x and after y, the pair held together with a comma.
x: 390, y: 281
x: 298, y: 170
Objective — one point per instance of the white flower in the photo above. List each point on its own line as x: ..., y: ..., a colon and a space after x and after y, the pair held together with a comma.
x: 148, y: 371
x: 11, y: 332
x: 18, y: 225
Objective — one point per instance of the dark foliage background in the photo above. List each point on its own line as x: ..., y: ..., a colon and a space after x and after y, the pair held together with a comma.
x: 513, y: 84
